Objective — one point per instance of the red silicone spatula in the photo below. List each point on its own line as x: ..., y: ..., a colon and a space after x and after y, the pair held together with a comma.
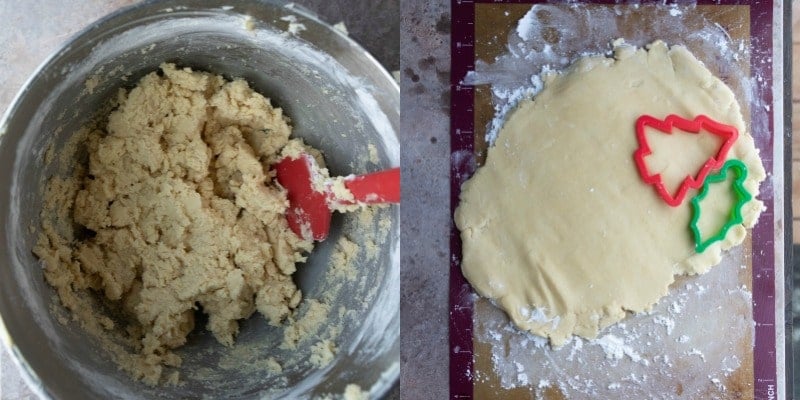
x: 309, y: 212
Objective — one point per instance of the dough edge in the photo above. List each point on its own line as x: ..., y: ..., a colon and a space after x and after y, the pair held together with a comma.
x: 559, y: 328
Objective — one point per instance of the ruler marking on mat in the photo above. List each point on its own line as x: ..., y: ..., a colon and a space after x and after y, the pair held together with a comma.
x: 763, y: 247
x: 462, y: 47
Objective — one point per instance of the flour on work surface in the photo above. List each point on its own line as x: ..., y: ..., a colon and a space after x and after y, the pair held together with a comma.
x: 636, y: 357
x: 586, y: 29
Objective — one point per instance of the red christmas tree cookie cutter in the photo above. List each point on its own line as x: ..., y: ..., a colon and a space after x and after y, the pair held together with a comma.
x: 728, y: 133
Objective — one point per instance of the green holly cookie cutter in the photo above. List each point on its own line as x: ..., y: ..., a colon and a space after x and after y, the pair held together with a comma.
x: 743, y: 196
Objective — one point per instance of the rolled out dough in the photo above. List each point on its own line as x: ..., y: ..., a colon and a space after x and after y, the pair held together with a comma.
x: 558, y: 227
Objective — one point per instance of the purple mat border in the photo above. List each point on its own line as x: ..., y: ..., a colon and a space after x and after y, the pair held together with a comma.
x: 462, y: 163
x: 623, y: 2
x: 462, y: 166
x: 764, y: 351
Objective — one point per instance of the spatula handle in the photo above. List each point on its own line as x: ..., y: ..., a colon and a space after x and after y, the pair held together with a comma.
x: 377, y: 187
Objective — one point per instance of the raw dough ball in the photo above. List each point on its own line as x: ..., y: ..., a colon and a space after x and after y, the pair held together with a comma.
x: 181, y: 212
x: 558, y: 227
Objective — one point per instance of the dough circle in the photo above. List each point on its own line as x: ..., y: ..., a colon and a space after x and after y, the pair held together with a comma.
x: 558, y: 228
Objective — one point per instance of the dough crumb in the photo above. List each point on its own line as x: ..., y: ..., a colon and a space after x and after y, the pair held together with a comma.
x: 274, y: 366
x: 294, y: 27
x: 342, y: 258
x: 249, y: 23
x: 373, y: 153
x: 90, y: 84
x: 309, y: 324
x: 322, y: 353
x: 341, y: 27
x: 354, y: 392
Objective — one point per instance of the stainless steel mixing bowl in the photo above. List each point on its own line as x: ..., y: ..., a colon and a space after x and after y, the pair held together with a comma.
x: 339, y: 98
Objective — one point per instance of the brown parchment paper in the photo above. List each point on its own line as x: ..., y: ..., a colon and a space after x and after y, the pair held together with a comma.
x: 494, y: 24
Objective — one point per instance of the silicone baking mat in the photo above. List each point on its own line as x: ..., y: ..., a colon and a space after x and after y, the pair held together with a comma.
x: 480, y: 30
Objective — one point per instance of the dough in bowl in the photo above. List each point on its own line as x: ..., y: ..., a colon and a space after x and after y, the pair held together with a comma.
x: 175, y: 211
x: 559, y: 228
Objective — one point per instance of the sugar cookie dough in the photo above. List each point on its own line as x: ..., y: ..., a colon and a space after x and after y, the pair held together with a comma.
x: 179, y: 212
x: 559, y: 229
